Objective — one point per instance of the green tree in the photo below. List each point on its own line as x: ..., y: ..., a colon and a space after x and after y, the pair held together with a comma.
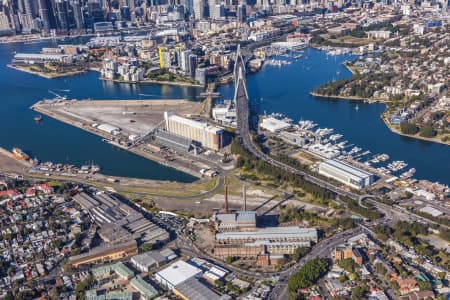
x: 424, y: 285
x: 348, y: 265
x: 230, y: 259
x: 427, y: 131
x: 146, y: 247
x: 308, y: 274
x: 359, y: 292
x: 408, y: 128
x: 300, y: 252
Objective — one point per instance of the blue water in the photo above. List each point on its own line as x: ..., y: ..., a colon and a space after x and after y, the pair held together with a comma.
x: 54, y: 141
x: 286, y: 90
x: 274, y: 89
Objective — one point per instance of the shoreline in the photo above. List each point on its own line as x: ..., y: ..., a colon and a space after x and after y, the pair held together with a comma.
x: 356, y: 98
x: 149, y: 81
x: 417, y: 136
x: 382, y: 116
x: 104, y: 135
x: 43, y: 75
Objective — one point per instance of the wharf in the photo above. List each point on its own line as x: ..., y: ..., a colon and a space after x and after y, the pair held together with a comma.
x: 133, y: 117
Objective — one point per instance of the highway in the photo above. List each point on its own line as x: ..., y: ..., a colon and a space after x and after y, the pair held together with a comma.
x: 243, y: 131
x: 323, y: 248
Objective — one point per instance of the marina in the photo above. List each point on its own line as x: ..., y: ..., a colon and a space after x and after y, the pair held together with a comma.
x: 51, y: 140
x: 361, y: 127
x: 324, y: 143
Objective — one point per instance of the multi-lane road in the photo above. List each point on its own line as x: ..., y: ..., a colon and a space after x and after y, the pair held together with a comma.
x: 324, y: 247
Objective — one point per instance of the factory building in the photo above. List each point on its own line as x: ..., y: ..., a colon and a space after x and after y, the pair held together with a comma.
x: 177, y: 273
x: 237, y: 221
x: 118, y: 221
x: 208, y: 136
x: 105, y: 253
x: 193, y: 289
x: 346, y: 173
x: 145, y: 261
x: 268, y: 241
x: 272, y: 234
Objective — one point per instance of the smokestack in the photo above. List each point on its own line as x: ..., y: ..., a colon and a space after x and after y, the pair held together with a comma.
x: 226, y: 198
x: 244, y: 193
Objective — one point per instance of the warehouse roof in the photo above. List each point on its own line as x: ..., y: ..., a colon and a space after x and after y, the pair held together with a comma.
x: 178, y: 272
x: 274, y: 125
x: 346, y: 168
x: 431, y: 211
x: 270, y: 233
x: 143, y: 287
x: 193, y: 123
x: 108, y: 128
x: 195, y: 290
x: 239, y: 216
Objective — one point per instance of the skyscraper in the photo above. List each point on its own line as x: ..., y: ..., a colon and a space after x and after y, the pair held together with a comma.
x: 43, y: 14
x: 132, y: 7
x: 61, y: 15
x: 199, y: 9
x: 77, y: 15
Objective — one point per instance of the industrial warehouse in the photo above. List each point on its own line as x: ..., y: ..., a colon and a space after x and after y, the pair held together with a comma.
x: 109, y: 252
x: 118, y: 221
x: 346, y: 173
x: 208, y: 136
x: 237, y: 235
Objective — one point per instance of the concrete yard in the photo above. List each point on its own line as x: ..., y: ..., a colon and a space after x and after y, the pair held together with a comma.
x: 131, y: 116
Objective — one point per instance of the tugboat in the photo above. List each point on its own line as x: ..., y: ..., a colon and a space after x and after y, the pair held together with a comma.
x: 38, y: 118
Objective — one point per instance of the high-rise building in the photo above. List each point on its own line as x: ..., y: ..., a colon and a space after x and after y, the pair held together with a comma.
x: 208, y: 136
x: 61, y: 13
x: 43, y: 14
x: 241, y: 12
x: 199, y: 9
x: 165, y: 60
x: 217, y: 11
x: 192, y: 65
x: 132, y: 7
x: 183, y: 61
x: 77, y: 14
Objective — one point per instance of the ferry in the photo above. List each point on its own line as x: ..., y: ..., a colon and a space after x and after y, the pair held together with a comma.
x: 19, y: 154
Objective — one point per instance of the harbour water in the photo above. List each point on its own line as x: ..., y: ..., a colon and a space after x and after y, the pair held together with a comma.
x: 50, y: 140
x: 275, y: 89
x: 285, y: 90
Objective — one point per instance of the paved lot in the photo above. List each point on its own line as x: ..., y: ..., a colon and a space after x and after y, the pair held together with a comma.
x: 132, y: 116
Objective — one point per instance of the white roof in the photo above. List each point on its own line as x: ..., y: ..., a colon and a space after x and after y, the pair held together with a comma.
x: 431, y: 211
x: 218, y: 271
x: 347, y: 169
x: 179, y: 272
x: 108, y: 127
x: 39, y: 56
x: 270, y: 233
x: 274, y: 125
x: 193, y: 123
